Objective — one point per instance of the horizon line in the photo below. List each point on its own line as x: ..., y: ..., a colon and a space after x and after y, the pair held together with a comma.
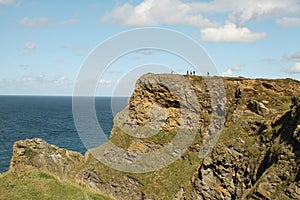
x: 56, y: 95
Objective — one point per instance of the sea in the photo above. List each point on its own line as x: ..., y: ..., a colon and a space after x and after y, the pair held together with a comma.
x: 49, y: 118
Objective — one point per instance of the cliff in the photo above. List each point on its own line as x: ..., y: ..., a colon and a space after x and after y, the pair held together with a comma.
x: 256, y: 155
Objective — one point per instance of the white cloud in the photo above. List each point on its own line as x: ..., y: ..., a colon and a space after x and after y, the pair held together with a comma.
x: 37, y: 84
x: 42, y: 82
x: 295, y: 69
x: 153, y: 12
x: 7, y: 2
x: 44, y: 22
x: 292, y: 57
x: 60, y: 80
x: 35, y: 22
x: 29, y: 48
x: 230, y: 33
x: 104, y: 81
x: 69, y: 22
x: 241, y: 11
x: 232, y: 70
x: 251, y: 10
x: 38, y: 79
x: 289, y: 22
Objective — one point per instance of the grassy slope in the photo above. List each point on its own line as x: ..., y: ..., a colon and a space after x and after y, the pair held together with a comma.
x: 33, y: 184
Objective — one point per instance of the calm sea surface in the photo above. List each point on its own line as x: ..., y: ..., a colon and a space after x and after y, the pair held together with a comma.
x: 49, y: 118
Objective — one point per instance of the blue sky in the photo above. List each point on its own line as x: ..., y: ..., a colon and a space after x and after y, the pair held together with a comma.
x: 44, y: 43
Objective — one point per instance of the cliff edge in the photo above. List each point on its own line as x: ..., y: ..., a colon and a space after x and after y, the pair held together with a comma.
x: 256, y: 155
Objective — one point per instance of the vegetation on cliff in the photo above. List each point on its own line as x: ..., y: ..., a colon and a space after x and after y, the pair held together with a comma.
x: 255, y: 157
x: 35, y: 185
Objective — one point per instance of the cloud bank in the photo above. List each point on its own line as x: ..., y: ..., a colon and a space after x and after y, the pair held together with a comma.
x: 179, y: 12
x: 230, y: 33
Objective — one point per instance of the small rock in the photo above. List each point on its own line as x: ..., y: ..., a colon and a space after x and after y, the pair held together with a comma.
x: 257, y: 107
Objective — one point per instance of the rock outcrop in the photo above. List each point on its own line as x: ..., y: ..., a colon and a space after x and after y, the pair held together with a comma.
x: 39, y: 154
x: 159, y: 104
x: 256, y: 155
x: 257, y: 107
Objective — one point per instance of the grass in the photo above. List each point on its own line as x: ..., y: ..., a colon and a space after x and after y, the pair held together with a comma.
x: 121, y: 139
x: 33, y: 184
x: 163, y: 183
x: 29, y: 153
x: 124, y: 140
x: 229, y: 135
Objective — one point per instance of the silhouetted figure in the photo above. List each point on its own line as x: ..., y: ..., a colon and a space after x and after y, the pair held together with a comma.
x: 194, y: 73
x: 207, y: 73
x: 295, y: 101
x: 187, y: 72
x: 238, y: 93
x: 191, y: 73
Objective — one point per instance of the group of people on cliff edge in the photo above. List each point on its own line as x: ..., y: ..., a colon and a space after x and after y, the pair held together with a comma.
x: 193, y: 73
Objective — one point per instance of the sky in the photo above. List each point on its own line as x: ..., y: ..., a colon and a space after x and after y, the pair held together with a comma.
x: 44, y: 44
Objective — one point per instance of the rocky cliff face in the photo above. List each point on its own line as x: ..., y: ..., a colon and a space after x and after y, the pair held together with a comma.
x: 255, y: 157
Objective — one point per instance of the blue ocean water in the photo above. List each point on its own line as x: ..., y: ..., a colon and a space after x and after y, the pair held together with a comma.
x: 49, y: 118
